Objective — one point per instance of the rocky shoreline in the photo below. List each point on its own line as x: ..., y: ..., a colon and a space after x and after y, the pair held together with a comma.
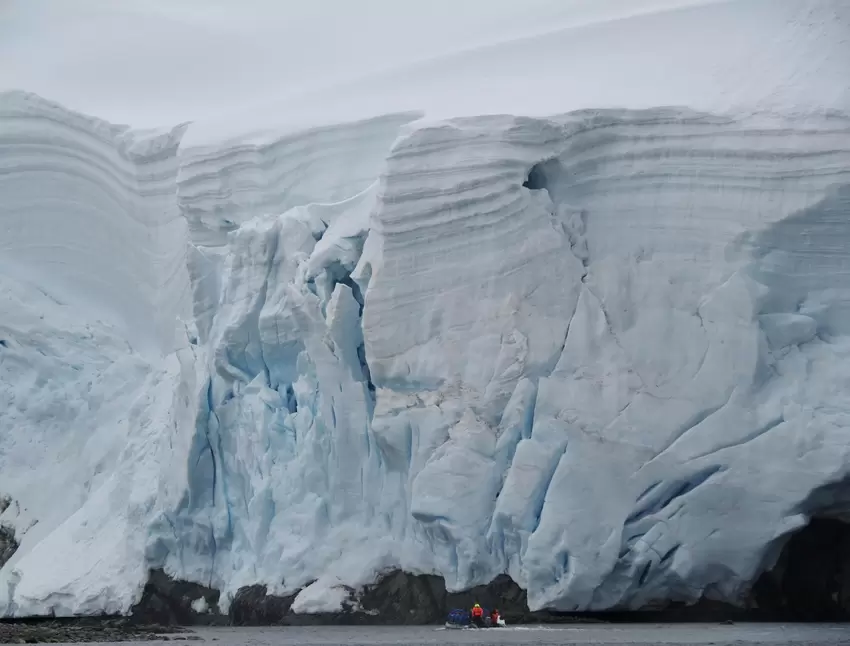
x: 79, y: 630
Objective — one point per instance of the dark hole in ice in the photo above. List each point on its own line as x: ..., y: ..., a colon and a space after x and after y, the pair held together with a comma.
x: 536, y: 178
x: 644, y: 573
x: 291, y: 401
x: 355, y: 292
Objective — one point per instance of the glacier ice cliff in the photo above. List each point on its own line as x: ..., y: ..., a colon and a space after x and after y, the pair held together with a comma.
x: 601, y: 352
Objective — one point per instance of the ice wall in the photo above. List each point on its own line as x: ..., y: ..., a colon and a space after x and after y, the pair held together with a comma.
x: 654, y: 284
x: 93, y: 393
x: 570, y: 349
x: 602, y: 351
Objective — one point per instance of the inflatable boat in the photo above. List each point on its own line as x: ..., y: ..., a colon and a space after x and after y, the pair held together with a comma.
x: 460, y: 619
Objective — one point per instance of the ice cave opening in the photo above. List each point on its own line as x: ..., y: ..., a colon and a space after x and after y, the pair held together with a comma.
x: 543, y: 174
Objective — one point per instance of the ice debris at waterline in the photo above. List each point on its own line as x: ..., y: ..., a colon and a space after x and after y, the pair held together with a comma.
x: 605, y: 352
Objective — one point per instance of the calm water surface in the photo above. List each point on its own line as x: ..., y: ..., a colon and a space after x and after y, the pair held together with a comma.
x: 595, y: 634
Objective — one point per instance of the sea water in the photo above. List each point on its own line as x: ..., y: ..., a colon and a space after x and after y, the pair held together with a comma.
x: 595, y: 634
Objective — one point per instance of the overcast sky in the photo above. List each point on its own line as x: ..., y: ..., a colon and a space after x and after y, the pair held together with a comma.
x: 152, y: 62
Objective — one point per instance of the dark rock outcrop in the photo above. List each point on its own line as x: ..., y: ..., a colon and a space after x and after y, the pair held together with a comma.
x: 167, y: 602
x: 811, y: 579
x: 402, y: 598
x: 8, y: 544
x: 252, y: 606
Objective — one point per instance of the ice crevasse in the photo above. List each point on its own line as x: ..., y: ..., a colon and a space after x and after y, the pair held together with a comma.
x: 603, y: 351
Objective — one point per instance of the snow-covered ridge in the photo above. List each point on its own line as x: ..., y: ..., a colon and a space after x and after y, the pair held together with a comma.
x: 602, y: 351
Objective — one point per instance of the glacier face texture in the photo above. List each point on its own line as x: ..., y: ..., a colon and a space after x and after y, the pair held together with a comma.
x: 603, y: 352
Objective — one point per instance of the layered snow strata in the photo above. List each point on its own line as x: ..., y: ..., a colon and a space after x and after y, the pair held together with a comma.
x: 89, y: 215
x: 602, y: 352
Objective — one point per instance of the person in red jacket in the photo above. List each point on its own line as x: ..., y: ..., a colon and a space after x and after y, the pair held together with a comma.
x: 494, y: 617
x: 477, y: 615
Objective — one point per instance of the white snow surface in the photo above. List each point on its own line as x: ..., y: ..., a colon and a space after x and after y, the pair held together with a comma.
x: 484, y: 303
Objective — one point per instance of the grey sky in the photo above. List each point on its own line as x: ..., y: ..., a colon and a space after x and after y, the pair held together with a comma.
x: 157, y: 61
